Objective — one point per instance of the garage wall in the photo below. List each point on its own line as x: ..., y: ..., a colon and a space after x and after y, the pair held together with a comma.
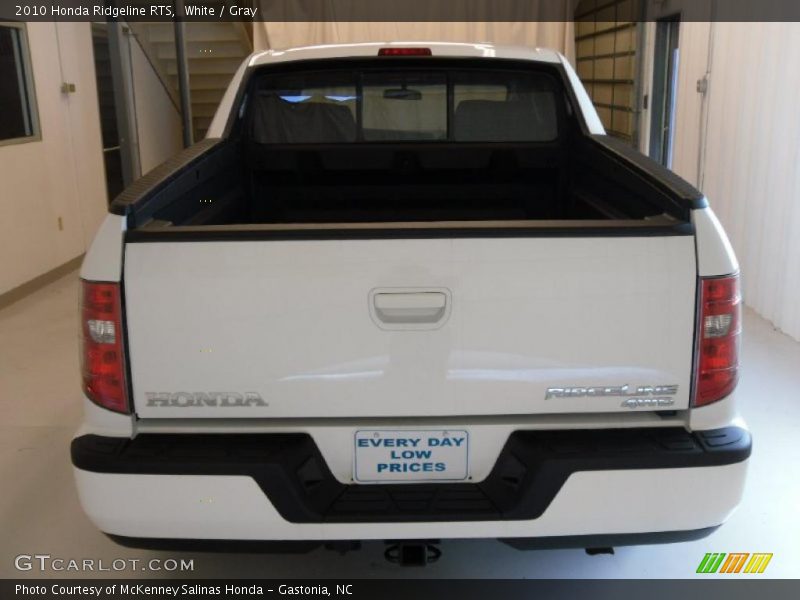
x: 60, y: 175
x: 740, y: 143
x: 557, y: 35
x: 751, y: 164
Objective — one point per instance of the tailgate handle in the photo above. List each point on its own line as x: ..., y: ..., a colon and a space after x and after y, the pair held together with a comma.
x: 410, y: 307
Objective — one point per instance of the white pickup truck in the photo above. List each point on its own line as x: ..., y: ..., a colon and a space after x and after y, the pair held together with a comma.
x: 409, y: 292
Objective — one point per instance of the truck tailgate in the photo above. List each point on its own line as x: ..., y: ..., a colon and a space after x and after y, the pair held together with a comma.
x: 414, y: 327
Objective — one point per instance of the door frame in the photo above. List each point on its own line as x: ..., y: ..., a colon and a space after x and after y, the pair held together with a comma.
x: 648, y: 71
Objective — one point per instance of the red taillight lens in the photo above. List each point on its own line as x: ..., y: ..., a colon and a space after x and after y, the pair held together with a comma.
x: 718, y: 339
x: 102, y: 358
x: 404, y: 52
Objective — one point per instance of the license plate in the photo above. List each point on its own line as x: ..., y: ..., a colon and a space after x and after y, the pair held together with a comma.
x: 382, y: 456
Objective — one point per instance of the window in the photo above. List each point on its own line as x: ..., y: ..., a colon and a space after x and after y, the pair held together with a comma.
x: 500, y: 107
x: 305, y: 108
x: 17, y: 112
x: 406, y: 105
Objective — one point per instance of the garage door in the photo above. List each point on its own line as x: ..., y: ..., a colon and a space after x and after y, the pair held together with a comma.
x: 606, y: 40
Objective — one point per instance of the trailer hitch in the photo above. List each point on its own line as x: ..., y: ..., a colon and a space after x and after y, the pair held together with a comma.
x: 599, y: 550
x: 413, y: 553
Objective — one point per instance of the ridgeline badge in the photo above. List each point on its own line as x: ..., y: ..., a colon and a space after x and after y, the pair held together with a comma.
x: 644, y: 396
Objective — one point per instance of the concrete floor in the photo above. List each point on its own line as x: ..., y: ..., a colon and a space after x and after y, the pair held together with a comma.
x: 40, y: 409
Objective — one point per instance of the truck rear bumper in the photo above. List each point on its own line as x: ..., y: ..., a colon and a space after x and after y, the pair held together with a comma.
x: 545, y: 484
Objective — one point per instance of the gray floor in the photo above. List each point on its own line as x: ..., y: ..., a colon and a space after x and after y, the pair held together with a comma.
x: 39, y: 512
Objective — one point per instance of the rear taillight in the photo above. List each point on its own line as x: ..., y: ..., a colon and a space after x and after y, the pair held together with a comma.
x: 718, y: 339
x: 102, y: 356
x: 396, y: 51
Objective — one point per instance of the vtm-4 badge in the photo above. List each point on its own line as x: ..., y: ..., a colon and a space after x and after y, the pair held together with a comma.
x: 644, y: 396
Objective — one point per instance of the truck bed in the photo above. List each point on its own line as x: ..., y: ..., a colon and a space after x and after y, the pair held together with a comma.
x: 253, y: 184
x: 318, y: 143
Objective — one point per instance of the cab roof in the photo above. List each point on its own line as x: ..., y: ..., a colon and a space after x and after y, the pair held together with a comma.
x: 440, y: 49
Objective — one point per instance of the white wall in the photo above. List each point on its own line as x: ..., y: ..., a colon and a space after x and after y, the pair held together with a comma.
x: 752, y: 160
x: 62, y: 175
x: 158, y: 120
x: 741, y: 145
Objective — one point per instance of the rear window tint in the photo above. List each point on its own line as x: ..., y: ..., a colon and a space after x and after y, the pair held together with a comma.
x: 500, y: 107
x: 382, y: 105
x: 305, y: 108
x: 405, y: 106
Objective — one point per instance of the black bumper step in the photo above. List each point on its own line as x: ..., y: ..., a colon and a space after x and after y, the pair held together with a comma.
x: 528, y: 474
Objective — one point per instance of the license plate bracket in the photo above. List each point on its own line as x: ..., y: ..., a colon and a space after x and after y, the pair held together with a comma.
x: 410, y: 456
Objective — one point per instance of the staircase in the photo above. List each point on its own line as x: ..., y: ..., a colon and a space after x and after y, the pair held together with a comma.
x: 214, y: 51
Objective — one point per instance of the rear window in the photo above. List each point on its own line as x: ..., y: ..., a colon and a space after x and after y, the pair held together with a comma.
x: 381, y: 105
